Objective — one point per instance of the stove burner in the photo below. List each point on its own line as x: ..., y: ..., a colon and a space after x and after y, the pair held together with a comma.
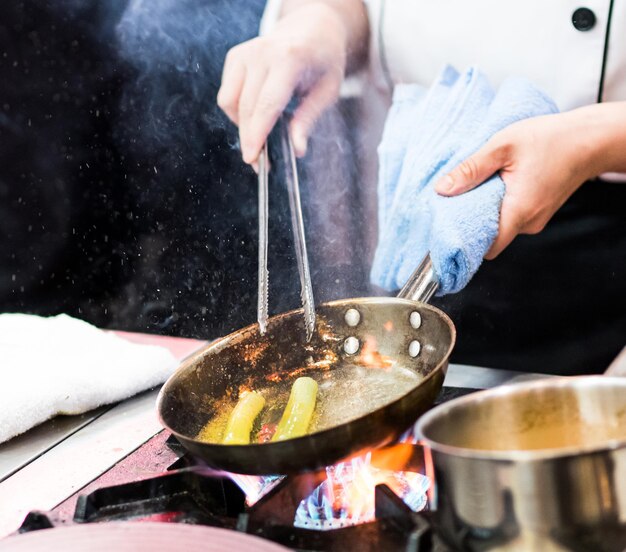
x: 346, y: 497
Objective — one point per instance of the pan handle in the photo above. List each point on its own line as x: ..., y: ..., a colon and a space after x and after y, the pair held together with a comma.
x: 422, y: 284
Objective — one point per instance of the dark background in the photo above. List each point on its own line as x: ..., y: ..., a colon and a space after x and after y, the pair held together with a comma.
x: 106, y: 213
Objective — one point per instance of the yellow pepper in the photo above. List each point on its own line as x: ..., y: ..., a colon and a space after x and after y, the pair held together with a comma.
x: 299, y: 411
x: 242, y: 418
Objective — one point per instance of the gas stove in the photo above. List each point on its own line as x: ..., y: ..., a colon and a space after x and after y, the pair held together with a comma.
x: 112, y: 479
x: 368, y: 503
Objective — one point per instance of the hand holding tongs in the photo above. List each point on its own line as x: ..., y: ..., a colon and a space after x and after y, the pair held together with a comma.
x: 297, y: 223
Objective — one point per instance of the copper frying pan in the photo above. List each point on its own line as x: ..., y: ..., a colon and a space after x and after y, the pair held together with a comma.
x: 402, y: 345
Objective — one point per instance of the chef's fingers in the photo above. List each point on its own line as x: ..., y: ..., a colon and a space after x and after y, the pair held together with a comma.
x: 233, y: 77
x: 474, y: 170
x: 255, y: 79
x: 274, y: 95
x: 311, y: 107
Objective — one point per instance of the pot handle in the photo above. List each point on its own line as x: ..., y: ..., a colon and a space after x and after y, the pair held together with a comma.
x: 618, y: 366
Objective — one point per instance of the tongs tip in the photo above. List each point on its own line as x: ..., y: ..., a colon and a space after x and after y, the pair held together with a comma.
x: 263, y: 273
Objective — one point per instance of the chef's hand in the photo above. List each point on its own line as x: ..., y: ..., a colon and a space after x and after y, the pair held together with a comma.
x: 542, y: 161
x: 307, y: 52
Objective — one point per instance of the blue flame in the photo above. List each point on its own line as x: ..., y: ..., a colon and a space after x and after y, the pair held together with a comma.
x: 329, y: 507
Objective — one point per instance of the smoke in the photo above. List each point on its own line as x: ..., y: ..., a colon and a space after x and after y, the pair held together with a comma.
x: 334, y: 205
x: 193, y: 200
x: 196, y: 201
x: 178, y: 48
x: 124, y: 198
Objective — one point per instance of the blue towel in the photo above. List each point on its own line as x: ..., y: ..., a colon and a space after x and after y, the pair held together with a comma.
x: 426, y: 135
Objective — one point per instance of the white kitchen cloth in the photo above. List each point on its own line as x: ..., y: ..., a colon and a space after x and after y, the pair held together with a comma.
x: 61, y: 365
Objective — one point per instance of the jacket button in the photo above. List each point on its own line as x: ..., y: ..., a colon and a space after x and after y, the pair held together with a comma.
x: 583, y: 19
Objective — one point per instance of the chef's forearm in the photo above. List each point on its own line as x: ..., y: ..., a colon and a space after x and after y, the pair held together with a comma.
x: 353, y: 16
x: 606, y: 123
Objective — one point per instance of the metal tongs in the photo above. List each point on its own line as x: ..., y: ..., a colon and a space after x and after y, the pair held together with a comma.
x: 297, y: 223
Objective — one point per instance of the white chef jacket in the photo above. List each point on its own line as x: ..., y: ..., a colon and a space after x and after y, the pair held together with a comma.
x: 576, y: 64
x: 577, y: 60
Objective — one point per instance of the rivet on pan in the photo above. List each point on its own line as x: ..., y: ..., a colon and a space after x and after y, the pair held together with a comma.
x: 351, y: 345
x: 414, y: 348
x: 353, y: 317
x: 415, y: 319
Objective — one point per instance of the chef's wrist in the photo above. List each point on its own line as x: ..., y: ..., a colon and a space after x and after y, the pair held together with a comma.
x: 604, y: 130
x: 351, y: 15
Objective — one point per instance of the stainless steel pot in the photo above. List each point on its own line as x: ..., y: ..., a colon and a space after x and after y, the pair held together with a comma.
x: 531, y: 466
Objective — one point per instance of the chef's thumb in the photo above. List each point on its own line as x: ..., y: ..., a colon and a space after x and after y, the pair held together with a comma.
x: 473, y: 171
x: 311, y: 107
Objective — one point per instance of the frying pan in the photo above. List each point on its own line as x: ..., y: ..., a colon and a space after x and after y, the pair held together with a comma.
x: 366, y: 335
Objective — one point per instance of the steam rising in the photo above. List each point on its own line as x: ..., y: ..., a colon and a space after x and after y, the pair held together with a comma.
x: 178, y: 48
x: 124, y: 197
